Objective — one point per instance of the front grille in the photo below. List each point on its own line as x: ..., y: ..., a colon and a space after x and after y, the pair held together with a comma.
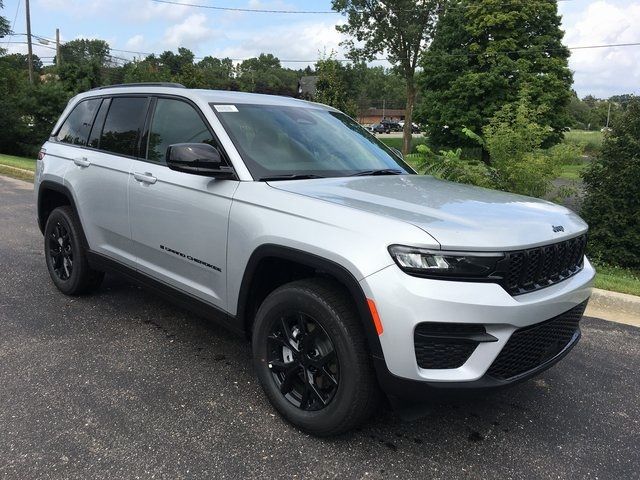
x: 532, y: 346
x: 535, y: 268
x: 446, y: 345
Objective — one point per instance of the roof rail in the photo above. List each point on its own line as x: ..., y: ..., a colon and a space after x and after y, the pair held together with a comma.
x: 142, y: 84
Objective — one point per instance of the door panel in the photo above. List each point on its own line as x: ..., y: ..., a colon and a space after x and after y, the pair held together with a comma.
x: 179, y: 228
x: 179, y: 221
x: 101, y: 193
x: 98, y: 180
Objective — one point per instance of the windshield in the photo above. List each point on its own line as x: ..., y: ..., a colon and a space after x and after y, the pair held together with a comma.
x: 284, y: 141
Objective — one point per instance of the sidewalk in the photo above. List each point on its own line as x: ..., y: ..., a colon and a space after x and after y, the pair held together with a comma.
x: 615, y: 307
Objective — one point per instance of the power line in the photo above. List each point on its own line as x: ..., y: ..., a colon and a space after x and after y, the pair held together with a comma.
x: 246, y: 10
x: 461, y: 54
x: 15, y: 17
x: 264, y: 10
x: 548, y: 50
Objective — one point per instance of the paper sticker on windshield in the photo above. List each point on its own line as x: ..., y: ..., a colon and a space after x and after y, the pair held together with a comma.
x: 225, y: 108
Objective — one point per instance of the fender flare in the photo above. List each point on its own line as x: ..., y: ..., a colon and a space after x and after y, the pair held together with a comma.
x: 321, y: 264
x: 56, y: 187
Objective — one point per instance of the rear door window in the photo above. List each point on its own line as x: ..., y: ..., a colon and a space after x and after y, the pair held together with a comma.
x: 77, y: 126
x: 123, y: 125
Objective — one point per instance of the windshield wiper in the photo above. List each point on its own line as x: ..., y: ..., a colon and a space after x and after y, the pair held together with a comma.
x: 381, y: 171
x: 292, y: 176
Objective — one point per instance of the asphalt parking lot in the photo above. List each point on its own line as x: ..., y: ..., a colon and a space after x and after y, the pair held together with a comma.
x: 121, y: 384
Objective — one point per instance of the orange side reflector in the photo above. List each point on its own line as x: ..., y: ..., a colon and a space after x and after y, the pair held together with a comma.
x: 375, y: 316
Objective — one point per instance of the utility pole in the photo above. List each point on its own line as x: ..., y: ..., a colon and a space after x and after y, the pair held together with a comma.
x: 30, y: 49
x: 58, y: 57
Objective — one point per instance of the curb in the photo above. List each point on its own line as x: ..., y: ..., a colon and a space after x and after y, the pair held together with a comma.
x: 26, y: 175
x: 614, y: 306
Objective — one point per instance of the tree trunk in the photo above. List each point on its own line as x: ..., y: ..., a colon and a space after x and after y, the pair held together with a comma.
x: 407, y: 133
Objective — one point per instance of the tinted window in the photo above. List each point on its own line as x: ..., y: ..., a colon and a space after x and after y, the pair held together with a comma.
x: 175, y: 121
x: 122, y: 125
x: 75, y: 128
x: 96, y: 130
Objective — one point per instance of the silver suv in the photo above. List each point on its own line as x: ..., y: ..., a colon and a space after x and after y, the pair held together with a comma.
x: 289, y: 223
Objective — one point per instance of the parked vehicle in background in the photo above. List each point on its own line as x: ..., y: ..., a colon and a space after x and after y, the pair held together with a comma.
x: 391, y: 126
x: 287, y: 222
x: 380, y: 128
x: 415, y: 128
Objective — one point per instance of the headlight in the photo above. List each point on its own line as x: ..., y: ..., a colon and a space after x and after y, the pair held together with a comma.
x: 438, y: 263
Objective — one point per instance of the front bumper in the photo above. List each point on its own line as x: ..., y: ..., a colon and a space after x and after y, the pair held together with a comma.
x: 404, y: 301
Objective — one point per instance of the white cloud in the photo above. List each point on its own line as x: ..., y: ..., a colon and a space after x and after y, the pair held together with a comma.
x: 606, y: 71
x: 190, y: 33
x: 135, y: 43
x: 148, y: 10
x: 298, y: 41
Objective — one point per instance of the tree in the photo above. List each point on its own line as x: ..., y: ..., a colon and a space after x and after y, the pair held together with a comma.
x: 84, y: 64
x: 612, y: 202
x: 335, y: 86
x: 148, y: 70
x: 489, y: 53
x: 218, y: 73
x: 177, y: 63
x: 402, y: 29
x: 5, y: 28
x: 264, y: 74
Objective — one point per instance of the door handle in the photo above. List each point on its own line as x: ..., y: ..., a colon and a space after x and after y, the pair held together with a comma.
x: 145, y: 177
x: 82, y: 162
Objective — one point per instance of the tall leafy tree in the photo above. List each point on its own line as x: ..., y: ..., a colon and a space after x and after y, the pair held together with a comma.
x: 84, y: 64
x: 264, y: 74
x: 5, y: 28
x: 401, y: 29
x: 612, y: 202
x: 335, y: 85
x: 218, y: 73
x: 489, y: 53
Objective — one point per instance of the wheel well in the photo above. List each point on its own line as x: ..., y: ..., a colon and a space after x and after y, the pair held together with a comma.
x: 269, y: 274
x: 48, y: 200
x: 271, y: 266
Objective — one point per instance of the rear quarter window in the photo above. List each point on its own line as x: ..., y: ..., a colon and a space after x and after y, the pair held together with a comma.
x: 75, y: 129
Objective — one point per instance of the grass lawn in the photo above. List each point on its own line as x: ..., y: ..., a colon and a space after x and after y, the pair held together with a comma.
x: 572, y: 171
x: 618, y: 280
x: 591, y: 142
x: 17, y: 167
x: 394, y: 142
x: 18, y: 162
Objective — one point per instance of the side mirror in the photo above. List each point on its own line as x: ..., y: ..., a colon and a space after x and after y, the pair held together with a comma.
x: 397, y: 152
x: 198, y: 159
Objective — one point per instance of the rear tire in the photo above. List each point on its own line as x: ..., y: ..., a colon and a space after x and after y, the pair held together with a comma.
x: 66, y: 254
x: 311, y: 357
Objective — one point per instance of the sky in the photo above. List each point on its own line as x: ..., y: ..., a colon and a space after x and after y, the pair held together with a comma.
x: 148, y: 26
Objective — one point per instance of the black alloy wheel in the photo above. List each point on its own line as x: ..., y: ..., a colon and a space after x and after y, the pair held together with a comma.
x: 61, y: 251
x: 311, y: 358
x: 66, y: 253
x: 303, y: 361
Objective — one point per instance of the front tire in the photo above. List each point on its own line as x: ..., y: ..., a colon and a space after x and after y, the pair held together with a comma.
x: 311, y: 357
x: 66, y: 255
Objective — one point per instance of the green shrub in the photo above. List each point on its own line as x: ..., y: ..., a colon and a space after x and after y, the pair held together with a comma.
x: 513, y: 139
x: 448, y: 165
x: 566, y: 154
x: 589, y: 142
x: 612, y: 203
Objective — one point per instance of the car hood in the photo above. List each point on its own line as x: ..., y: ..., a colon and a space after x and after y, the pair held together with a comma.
x: 458, y: 216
